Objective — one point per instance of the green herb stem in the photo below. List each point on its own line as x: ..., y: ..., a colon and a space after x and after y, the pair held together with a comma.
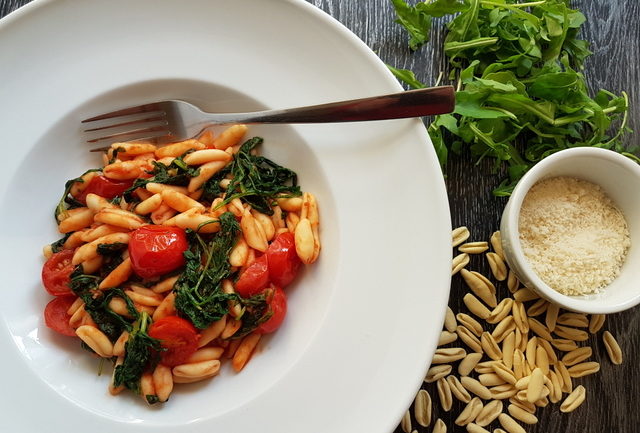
x: 623, y: 124
x: 502, y: 110
x: 475, y: 43
x: 512, y: 6
x: 571, y: 119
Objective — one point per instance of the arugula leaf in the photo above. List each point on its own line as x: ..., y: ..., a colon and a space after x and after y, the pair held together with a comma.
x: 199, y: 294
x: 256, y: 180
x: 415, y: 21
x: 141, y: 350
x: 256, y: 312
x: 57, y: 246
x: 440, y: 8
x: 111, y: 249
x: 176, y: 173
x: 442, y: 152
x: 112, y: 256
x: 472, y: 105
x: 152, y: 398
x: 557, y: 86
x: 407, y: 76
x: 114, y: 154
x: 141, y: 353
x: 465, y: 26
x: 521, y: 96
x: 81, y: 283
x: 66, y: 201
x: 96, y: 303
x: 211, y: 188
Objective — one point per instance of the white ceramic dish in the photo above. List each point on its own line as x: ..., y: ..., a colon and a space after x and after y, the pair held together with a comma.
x: 619, y: 177
x: 363, y: 322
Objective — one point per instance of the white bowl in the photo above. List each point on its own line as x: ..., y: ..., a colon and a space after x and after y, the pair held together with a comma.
x: 619, y: 177
x: 361, y: 325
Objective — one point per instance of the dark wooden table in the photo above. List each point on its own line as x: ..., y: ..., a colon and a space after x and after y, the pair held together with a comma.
x: 613, y: 28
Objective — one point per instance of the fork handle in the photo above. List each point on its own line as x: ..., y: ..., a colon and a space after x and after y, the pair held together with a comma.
x: 411, y: 103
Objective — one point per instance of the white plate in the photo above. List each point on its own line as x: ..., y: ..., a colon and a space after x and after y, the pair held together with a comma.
x: 363, y: 322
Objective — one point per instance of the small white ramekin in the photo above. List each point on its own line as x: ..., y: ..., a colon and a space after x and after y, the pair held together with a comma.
x: 619, y: 177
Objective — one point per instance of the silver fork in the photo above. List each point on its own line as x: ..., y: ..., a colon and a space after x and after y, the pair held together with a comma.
x: 174, y: 120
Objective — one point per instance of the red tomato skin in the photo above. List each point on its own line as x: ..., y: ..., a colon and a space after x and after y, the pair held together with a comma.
x: 55, y: 315
x: 157, y: 250
x: 178, y: 336
x: 254, y: 279
x: 105, y: 187
x: 283, y: 260
x: 278, y: 305
x: 56, y: 273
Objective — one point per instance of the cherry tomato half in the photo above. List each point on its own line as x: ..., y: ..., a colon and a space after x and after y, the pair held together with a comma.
x: 282, y: 259
x: 178, y: 336
x: 105, y: 187
x: 156, y: 250
x: 254, y: 279
x: 56, y: 272
x: 278, y: 305
x: 55, y: 315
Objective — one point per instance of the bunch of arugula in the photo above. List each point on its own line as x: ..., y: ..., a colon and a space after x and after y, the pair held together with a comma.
x: 520, y: 94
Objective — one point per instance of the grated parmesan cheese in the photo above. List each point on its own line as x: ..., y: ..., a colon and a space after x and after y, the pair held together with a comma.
x: 573, y: 235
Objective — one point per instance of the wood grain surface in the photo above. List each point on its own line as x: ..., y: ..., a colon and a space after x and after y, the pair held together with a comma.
x: 613, y: 28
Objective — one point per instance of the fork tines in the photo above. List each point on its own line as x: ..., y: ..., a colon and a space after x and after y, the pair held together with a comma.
x: 134, y: 123
x: 145, y: 108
